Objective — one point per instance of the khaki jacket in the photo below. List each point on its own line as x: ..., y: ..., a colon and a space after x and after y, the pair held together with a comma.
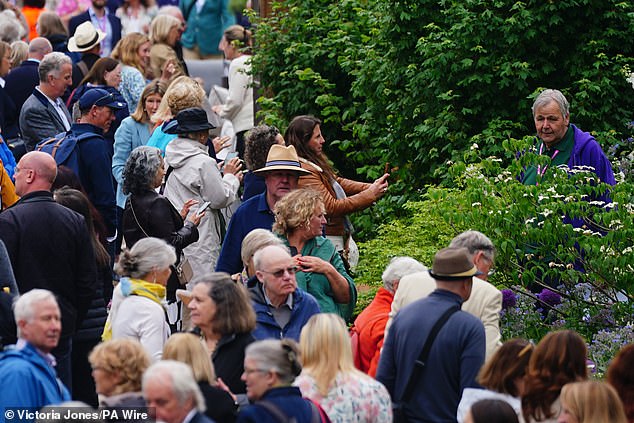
x: 485, y: 303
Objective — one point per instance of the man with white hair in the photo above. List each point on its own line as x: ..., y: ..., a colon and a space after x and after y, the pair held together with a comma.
x: 27, y: 371
x: 172, y: 394
x: 485, y: 302
x: 281, y: 308
x: 370, y: 324
x: 44, y: 114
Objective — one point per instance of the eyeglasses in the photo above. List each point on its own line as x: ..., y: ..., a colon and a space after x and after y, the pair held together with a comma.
x: 279, y: 273
x: 250, y: 371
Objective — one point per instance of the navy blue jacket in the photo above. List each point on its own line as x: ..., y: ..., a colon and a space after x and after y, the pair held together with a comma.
x: 95, y: 164
x: 304, y: 306
x: 287, y: 398
x: 21, y: 81
x: 252, y: 214
x: 453, y: 363
x: 50, y: 248
x: 9, y: 116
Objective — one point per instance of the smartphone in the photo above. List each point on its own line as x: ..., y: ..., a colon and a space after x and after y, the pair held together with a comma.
x: 203, y: 207
x: 230, y: 155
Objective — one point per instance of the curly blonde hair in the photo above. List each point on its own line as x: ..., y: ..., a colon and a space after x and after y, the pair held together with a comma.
x: 182, y: 94
x: 295, y: 209
x: 125, y: 357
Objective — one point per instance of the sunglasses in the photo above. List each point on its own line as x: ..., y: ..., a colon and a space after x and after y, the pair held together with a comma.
x: 279, y: 273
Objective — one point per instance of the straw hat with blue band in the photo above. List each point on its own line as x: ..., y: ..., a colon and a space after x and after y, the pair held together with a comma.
x: 282, y: 158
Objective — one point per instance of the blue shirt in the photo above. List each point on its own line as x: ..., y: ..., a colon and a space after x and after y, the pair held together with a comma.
x: 252, y: 214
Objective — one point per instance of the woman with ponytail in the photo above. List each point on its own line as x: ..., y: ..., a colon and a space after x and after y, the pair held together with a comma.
x: 270, y: 367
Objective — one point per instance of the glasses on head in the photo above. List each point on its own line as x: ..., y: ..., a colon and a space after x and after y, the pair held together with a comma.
x: 279, y: 273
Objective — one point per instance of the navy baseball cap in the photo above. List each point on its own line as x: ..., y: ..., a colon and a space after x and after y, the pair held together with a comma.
x: 99, y: 97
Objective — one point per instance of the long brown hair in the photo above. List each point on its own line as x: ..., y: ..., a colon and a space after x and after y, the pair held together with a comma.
x: 127, y: 51
x: 77, y: 201
x: 558, y: 359
x: 299, y: 133
x: 98, y: 72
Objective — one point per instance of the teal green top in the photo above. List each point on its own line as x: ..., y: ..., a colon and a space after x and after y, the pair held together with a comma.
x: 561, y: 152
x: 317, y: 283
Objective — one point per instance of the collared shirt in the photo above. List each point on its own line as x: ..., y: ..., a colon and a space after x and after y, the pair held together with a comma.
x: 102, y: 24
x: 281, y: 314
x: 559, y: 154
x: 49, y: 358
x: 252, y: 214
x: 188, y: 418
x: 59, y: 106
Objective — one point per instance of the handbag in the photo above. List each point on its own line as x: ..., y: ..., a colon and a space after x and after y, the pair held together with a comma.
x: 398, y: 408
x: 183, y: 269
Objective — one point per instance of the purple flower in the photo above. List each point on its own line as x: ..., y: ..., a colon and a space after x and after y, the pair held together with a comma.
x: 508, y: 299
x: 549, y: 297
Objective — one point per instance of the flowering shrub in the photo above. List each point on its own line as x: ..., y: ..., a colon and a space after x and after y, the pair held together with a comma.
x: 606, y: 343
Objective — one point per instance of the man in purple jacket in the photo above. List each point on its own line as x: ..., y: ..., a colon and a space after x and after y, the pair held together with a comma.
x: 563, y: 142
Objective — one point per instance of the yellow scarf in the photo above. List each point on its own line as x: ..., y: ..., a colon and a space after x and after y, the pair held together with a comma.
x: 129, y: 286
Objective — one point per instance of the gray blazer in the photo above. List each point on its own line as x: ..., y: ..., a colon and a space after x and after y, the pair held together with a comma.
x: 39, y: 120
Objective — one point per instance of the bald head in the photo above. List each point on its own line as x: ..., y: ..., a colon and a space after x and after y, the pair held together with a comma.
x: 39, y: 47
x: 36, y: 171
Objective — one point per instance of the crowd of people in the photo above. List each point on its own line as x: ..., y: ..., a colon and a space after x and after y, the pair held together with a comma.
x: 140, y: 270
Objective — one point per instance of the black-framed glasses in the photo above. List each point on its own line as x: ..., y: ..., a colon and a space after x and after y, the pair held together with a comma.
x: 279, y: 273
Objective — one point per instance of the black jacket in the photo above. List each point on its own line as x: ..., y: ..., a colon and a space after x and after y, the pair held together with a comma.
x: 50, y: 248
x: 158, y: 218
x: 220, y: 405
x: 21, y: 81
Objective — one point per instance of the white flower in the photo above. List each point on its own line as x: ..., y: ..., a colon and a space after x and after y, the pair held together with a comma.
x: 476, y: 204
x: 474, y: 146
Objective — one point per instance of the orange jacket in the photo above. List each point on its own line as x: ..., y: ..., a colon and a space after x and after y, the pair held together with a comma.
x: 31, y: 14
x: 7, y: 189
x: 370, y: 325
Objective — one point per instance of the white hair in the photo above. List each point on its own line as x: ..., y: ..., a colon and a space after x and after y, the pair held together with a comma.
x: 24, y: 306
x: 181, y: 377
x: 397, y: 268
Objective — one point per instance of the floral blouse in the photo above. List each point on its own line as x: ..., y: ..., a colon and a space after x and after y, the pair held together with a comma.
x: 353, y: 397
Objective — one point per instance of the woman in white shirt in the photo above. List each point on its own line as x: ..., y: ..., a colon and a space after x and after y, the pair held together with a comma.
x: 236, y: 44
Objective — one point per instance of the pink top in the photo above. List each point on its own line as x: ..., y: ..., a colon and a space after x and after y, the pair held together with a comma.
x: 67, y: 7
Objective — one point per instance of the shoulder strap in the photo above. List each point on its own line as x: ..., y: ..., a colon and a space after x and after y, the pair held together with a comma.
x: 135, y: 218
x: 169, y: 171
x: 83, y: 67
x: 421, y: 362
x: 276, y: 411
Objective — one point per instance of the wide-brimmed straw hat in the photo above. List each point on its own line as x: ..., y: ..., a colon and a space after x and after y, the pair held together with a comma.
x: 282, y: 158
x: 453, y: 264
x: 193, y: 119
x: 86, y: 36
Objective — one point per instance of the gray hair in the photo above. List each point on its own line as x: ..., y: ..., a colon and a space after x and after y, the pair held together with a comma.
x: 139, y: 172
x: 10, y: 27
x: 547, y: 96
x: 259, y: 255
x: 474, y: 241
x: 40, y: 45
x: 146, y: 255
x: 52, y: 64
x: 24, y: 306
x: 397, y: 268
x: 181, y: 376
x: 170, y: 10
x: 256, y: 240
x: 280, y: 357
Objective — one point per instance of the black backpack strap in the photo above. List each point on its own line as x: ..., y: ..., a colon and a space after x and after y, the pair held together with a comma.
x: 421, y: 362
x: 275, y: 411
